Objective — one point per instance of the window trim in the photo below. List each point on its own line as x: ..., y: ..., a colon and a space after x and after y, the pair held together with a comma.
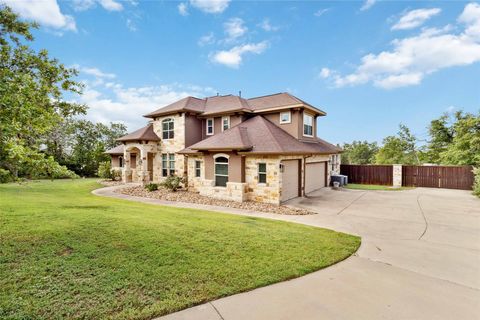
x: 311, y: 116
x: 261, y: 173
x: 198, y: 170
x: 223, y: 125
x: 168, y: 120
x: 213, y: 127
x: 289, y: 117
x: 215, y: 157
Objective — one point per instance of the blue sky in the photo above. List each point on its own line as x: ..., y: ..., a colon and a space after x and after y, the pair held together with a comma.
x: 369, y: 64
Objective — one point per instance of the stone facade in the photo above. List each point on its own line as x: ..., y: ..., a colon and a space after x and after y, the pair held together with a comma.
x: 268, y: 192
x: 397, y: 175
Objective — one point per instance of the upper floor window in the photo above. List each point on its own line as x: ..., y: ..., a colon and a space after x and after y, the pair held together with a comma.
x: 307, y: 125
x: 225, y: 123
x: 221, y: 171
x: 262, y: 173
x: 285, y: 117
x: 167, y: 129
x: 209, y: 127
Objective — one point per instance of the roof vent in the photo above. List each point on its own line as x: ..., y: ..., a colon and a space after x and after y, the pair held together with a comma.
x: 240, y: 93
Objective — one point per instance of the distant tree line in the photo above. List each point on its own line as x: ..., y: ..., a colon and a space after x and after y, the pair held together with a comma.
x: 40, y: 134
x: 454, y: 139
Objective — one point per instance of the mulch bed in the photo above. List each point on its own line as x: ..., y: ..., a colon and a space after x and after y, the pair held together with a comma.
x: 192, y: 197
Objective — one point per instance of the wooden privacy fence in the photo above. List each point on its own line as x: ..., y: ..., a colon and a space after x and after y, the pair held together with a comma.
x: 449, y: 177
x: 368, y: 174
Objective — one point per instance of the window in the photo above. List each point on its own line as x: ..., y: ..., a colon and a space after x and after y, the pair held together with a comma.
x: 262, y: 173
x: 209, y: 127
x: 164, y: 165
x: 225, y: 123
x: 197, y: 168
x: 285, y: 117
x: 221, y: 171
x: 120, y: 162
x: 307, y: 125
x: 171, y: 163
x: 167, y: 129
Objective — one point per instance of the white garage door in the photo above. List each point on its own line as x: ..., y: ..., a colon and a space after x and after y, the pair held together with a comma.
x: 290, y: 179
x: 315, y: 176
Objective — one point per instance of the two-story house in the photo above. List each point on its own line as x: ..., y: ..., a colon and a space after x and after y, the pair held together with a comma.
x: 261, y: 149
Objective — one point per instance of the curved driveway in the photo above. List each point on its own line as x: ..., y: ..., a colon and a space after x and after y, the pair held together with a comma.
x: 419, y: 259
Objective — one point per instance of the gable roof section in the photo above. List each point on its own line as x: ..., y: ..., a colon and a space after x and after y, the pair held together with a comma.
x: 223, y: 104
x: 143, y: 134
x: 260, y: 136
x: 117, y: 150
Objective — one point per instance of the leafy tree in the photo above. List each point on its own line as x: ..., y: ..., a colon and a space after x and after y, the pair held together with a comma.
x: 32, y: 86
x: 464, y: 148
x: 88, y: 144
x: 441, y: 135
x: 359, y: 152
x: 399, y: 149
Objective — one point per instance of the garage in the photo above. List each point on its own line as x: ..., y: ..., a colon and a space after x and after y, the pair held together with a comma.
x: 315, y: 176
x: 290, y: 179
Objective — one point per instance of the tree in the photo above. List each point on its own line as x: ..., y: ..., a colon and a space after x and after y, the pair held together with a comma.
x: 399, y: 149
x: 359, y: 152
x: 32, y: 86
x: 464, y: 148
x: 89, y: 141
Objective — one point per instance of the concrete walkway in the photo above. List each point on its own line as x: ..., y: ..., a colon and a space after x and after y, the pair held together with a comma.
x: 419, y: 259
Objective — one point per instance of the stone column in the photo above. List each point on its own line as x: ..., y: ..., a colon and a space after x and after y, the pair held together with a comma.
x: 126, y: 171
x: 397, y: 175
x: 143, y: 162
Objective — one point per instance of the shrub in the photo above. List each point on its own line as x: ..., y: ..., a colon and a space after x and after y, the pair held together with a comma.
x: 5, y: 176
x: 172, y: 183
x: 151, y: 187
x: 116, y: 174
x: 476, y: 184
x: 105, y: 170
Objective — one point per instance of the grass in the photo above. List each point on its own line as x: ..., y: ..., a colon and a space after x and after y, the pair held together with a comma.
x: 65, y: 253
x: 374, y: 187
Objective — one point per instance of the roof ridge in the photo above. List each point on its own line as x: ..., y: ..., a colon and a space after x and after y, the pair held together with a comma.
x: 267, y: 95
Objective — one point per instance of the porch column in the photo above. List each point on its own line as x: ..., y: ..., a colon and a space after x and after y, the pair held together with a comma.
x: 144, y: 174
x: 126, y: 170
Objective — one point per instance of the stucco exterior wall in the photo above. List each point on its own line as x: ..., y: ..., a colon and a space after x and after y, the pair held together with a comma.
x: 292, y: 127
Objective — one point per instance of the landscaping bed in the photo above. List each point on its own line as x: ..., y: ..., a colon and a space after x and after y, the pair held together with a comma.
x: 192, y: 197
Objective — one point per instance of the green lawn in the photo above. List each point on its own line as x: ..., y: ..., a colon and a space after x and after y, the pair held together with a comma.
x: 65, y: 253
x: 373, y: 187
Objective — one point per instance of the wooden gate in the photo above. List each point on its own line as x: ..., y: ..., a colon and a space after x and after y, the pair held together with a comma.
x: 368, y: 174
x: 449, y: 177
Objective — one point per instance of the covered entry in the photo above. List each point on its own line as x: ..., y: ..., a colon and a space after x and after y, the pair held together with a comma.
x: 315, y: 176
x: 290, y: 179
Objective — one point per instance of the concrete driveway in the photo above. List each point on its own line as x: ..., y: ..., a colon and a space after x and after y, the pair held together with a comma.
x: 419, y: 259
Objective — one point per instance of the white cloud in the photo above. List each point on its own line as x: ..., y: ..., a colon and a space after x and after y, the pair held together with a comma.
x: 267, y: 26
x: 110, y: 5
x: 206, y: 39
x: 413, y: 58
x: 367, y: 4
x: 131, y: 25
x: 182, y: 9
x: 234, y: 28
x: 210, y: 6
x: 321, y: 12
x: 325, y: 73
x: 45, y: 12
x: 415, y: 18
x: 95, y: 72
x: 112, y: 102
x: 233, y: 58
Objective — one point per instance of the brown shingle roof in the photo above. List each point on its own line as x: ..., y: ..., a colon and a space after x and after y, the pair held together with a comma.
x: 143, y: 134
x: 230, y: 103
x: 191, y: 104
x: 117, y: 150
x: 259, y: 135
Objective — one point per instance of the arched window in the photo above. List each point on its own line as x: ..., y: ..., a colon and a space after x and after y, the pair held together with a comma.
x: 120, y: 162
x: 167, y: 128
x: 221, y: 171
